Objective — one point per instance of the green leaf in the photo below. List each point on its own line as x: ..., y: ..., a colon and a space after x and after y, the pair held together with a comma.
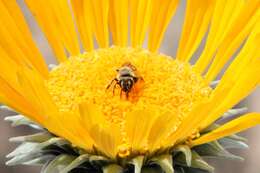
x: 18, y: 120
x: 33, y: 149
x: 38, y: 137
x: 165, y: 162
x: 99, y: 159
x: 112, y: 168
x: 151, y: 170
x: 59, y: 163
x: 233, y: 112
x: 6, y: 108
x: 20, y: 159
x: 231, y: 143
x: 196, y: 162
x: 179, y: 170
x: 215, y: 150
x: 41, y: 160
x: 138, y: 163
x: 75, y: 163
x: 193, y: 170
x: 237, y: 138
x: 52, y: 66
x: 184, y: 149
x: 23, y: 149
x: 214, y: 83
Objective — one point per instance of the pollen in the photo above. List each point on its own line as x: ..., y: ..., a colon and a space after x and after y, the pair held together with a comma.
x: 169, y: 84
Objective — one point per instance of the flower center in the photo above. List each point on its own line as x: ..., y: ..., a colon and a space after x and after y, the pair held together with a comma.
x: 168, y: 84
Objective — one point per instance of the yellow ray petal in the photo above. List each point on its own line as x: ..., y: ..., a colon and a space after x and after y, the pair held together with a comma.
x: 238, y: 32
x: 106, y: 139
x: 250, y: 52
x: 187, y: 127
x: 197, y: 18
x: 140, y: 15
x: 48, y: 115
x: 100, y: 11
x: 234, y: 126
x: 237, y: 92
x: 9, y: 70
x: 136, y: 130
x: 15, y: 100
x: 219, y: 102
x: 106, y: 136
x: 240, y: 79
x: 161, y: 16
x: 118, y: 21
x: 163, y: 125
x: 56, y: 22
x: 84, y: 21
x: 225, y: 12
x: 34, y: 91
x: 210, y: 110
x: 91, y: 115
x: 63, y: 16
x: 72, y: 125
x: 16, y: 38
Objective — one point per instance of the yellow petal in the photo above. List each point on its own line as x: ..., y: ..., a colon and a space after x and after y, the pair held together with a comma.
x: 239, y: 80
x: 136, y: 130
x: 9, y: 70
x: 118, y: 21
x: 225, y: 12
x: 63, y: 16
x: 161, y: 16
x: 16, y: 38
x: 140, y: 15
x: 15, y: 100
x: 162, y: 126
x: 237, y: 92
x: 74, y: 131
x: 56, y: 22
x: 84, y: 21
x: 188, y: 124
x: 100, y: 11
x: 197, y: 18
x: 91, y: 115
x: 106, y: 137
x: 239, y: 30
x: 242, y: 123
x: 47, y: 113
x: 33, y: 89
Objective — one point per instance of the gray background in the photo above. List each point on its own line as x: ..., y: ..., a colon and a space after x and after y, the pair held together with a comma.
x: 169, y: 46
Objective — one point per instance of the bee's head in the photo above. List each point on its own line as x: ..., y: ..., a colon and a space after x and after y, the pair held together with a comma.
x: 126, y: 84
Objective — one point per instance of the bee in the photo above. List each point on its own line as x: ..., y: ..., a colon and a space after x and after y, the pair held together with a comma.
x: 127, y: 77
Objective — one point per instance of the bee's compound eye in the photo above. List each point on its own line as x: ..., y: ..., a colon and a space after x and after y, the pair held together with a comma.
x: 129, y: 82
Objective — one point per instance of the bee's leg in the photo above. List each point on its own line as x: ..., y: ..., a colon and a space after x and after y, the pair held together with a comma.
x: 121, y: 94
x: 112, y: 81
x: 114, y: 89
x: 109, y: 85
x: 127, y: 95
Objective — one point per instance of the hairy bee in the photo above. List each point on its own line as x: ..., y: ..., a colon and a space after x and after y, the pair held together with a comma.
x: 127, y: 77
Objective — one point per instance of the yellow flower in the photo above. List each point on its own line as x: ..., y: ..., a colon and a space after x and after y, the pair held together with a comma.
x: 174, y: 102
